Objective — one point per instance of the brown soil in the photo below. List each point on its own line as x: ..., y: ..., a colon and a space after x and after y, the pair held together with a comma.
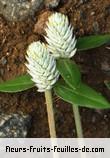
x: 90, y: 18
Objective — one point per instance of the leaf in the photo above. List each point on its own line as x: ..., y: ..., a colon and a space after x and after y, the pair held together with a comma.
x: 107, y: 83
x: 83, y: 96
x: 90, y: 42
x: 69, y: 71
x: 18, y: 84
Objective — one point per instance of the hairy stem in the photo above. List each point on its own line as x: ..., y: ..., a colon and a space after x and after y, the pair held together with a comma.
x: 50, y: 113
x: 77, y: 121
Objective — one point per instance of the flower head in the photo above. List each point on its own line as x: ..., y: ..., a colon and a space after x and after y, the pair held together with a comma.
x: 60, y: 39
x: 41, y: 66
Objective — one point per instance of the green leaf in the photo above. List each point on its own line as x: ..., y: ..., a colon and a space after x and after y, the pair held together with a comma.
x: 18, y: 84
x: 69, y: 71
x: 89, y: 42
x: 83, y: 96
x: 107, y: 83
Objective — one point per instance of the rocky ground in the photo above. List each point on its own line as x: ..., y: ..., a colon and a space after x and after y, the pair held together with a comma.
x: 22, y: 22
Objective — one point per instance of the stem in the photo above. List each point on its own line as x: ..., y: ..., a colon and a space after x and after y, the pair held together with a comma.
x: 77, y: 121
x: 50, y: 113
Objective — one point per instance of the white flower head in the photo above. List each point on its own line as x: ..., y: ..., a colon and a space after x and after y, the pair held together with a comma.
x: 60, y: 39
x: 41, y: 66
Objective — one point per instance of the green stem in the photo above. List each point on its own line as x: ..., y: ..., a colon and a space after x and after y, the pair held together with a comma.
x: 50, y: 113
x: 77, y: 121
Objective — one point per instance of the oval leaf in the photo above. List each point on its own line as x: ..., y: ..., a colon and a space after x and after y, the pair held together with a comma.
x: 70, y: 72
x: 18, y: 84
x: 90, y: 42
x: 83, y: 96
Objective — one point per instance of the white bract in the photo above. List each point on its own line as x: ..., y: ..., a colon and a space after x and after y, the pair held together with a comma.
x: 60, y: 39
x: 41, y: 66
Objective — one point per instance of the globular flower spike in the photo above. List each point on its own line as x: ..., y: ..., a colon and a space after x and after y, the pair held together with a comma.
x: 60, y: 39
x: 41, y: 66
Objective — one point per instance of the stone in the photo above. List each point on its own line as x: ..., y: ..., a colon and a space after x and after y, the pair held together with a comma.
x: 83, y: 1
x: 105, y: 66
x: 93, y: 119
x: 17, y: 10
x: 82, y: 15
x: 52, y: 3
x: 3, y: 61
x: 96, y: 28
x: 14, y: 125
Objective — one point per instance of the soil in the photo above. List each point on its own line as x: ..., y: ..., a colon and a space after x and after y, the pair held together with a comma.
x: 90, y: 17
